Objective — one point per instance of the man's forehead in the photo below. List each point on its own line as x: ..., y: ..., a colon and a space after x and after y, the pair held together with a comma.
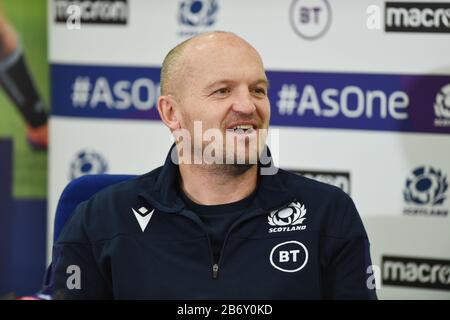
x: 203, y: 41
x: 230, y: 81
x: 218, y: 46
x: 226, y: 72
x: 218, y: 56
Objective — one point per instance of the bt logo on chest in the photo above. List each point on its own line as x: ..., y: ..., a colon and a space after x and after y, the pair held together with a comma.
x: 289, y: 256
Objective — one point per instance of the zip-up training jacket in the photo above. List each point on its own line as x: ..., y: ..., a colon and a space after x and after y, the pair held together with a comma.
x: 136, y: 240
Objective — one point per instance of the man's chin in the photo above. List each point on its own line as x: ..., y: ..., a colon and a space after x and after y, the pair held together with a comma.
x: 249, y: 156
x: 235, y: 169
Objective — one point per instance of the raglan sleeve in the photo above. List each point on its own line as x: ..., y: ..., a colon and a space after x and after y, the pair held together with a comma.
x: 349, y: 274
x: 74, y: 272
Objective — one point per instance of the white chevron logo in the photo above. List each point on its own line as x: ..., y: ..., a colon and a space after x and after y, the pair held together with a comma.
x: 143, y: 216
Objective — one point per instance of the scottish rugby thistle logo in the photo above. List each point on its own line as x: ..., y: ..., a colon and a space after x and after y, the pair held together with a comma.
x: 425, y: 192
x: 426, y: 185
x: 442, y: 107
x: 288, y: 218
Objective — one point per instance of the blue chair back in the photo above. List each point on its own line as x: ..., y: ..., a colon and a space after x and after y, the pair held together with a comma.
x: 79, y: 190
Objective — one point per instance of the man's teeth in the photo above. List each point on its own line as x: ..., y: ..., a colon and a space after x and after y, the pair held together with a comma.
x: 243, y: 127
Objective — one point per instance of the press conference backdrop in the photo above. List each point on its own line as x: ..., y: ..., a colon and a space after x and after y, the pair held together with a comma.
x: 360, y: 94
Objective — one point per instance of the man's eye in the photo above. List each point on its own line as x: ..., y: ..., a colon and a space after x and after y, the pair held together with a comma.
x: 222, y: 91
x: 260, y: 91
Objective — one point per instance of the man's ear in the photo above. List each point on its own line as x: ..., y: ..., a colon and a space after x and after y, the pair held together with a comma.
x: 167, y: 108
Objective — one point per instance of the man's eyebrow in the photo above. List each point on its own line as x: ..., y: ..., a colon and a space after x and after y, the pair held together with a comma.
x: 263, y: 81
x: 218, y: 82
x: 210, y: 86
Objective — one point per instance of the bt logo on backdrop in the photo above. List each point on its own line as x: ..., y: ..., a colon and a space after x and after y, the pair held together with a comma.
x: 310, y: 19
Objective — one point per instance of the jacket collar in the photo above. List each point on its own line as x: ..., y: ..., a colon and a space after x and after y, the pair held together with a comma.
x: 272, y: 191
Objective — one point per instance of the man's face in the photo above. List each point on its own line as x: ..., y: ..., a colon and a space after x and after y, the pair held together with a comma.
x: 223, y: 85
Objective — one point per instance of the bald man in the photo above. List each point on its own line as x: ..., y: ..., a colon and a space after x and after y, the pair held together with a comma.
x: 217, y: 220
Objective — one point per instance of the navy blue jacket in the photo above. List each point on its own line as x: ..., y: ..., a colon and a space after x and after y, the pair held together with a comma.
x: 302, y: 240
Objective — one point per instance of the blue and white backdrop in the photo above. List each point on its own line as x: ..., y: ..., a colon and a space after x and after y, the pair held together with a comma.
x: 360, y: 91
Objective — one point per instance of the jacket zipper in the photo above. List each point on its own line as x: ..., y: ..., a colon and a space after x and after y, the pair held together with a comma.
x: 240, y: 220
x: 215, y: 270
x: 192, y: 216
x: 215, y: 265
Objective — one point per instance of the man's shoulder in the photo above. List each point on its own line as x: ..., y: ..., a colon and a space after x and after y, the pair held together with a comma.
x: 122, y: 196
x: 309, y: 188
x: 112, y: 205
x: 128, y: 189
x: 334, y: 208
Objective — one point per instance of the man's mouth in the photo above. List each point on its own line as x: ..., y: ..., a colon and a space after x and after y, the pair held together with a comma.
x: 242, y: 128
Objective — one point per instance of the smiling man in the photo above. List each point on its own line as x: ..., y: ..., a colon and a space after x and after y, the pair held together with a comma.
x: 211, y: 223
x: 216, y: 81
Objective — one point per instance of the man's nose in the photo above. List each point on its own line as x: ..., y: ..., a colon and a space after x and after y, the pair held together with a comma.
x: 243, y: 103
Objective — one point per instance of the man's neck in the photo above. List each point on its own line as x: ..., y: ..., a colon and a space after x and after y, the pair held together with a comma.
x: 212, y: 185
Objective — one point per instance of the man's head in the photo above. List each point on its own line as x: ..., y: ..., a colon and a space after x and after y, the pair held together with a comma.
x: 216, y: 78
